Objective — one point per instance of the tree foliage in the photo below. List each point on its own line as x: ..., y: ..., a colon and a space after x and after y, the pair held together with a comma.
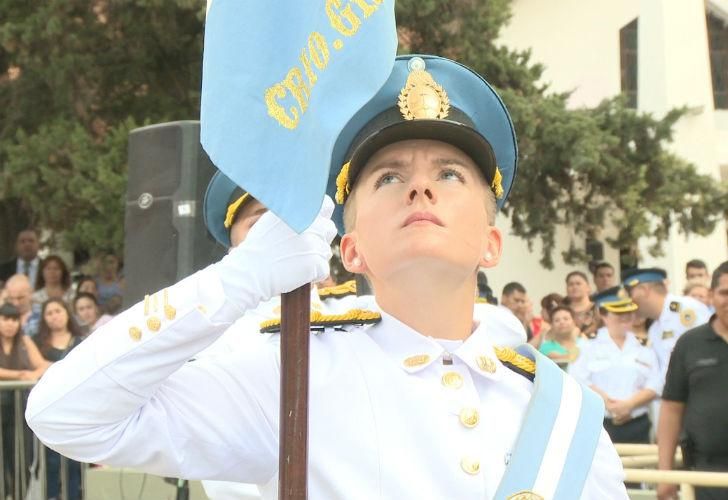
x: 583, y: 168
x: 76, y: 76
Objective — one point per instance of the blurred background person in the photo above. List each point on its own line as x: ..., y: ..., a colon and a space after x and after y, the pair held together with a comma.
x: 697, y: 270
x: 57, y: 336
x: 485, y: 293
x: 694, y: 398
x: 562, y: 342
x: 549, y: 303
x: 514, y: 299
x: 604, y: 276
x: 88, y: 313
x: 87, y: 284
x: 110, y: 286
x: 620, y: 369
x: 19, y: 292
x: 26, y: 262
x: 19, y: 360
x: 53, y: 282
x: 699, y: 291
x: 577, y: 298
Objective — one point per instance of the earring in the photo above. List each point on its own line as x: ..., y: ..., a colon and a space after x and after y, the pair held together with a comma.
x: 488, y: 256
x: 356, y: 261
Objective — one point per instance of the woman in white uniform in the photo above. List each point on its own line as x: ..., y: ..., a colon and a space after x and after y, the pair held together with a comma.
x: 622, y: 370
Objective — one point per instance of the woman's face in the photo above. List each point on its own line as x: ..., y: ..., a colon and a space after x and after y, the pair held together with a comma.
x: 55, y: 316
x: 9, y: 327
x: 88, y: 286
x: 86, y: 311
x: 52, y: 273
x: 562, y: 322
x: 618, y: 323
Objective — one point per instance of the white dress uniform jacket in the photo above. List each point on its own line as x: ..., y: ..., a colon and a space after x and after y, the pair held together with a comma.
x: 679, y: 314
x: 618, y: 372
x: 388, y: 418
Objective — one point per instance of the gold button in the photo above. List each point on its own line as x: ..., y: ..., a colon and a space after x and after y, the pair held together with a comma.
x: 170, y: 312
x: 154, y: 324
x: 453, y: 380
x: 486, y: 364
x: 202, y: 309
x: 470, y: 465
x: 135, y: 333
x: 469, y: 417
x: 417, y: 360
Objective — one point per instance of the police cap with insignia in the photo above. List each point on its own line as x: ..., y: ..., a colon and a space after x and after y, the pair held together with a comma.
x: 615, y: 300
x: 223, y: 201
x: 428, y: 97
x: 634, y: 277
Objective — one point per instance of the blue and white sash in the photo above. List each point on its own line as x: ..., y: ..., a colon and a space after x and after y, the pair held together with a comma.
x: 556, y: 445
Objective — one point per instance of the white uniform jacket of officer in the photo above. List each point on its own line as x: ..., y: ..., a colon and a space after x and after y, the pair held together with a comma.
x: 618, y: 372
x: 673, y: 322
x: 382, y: 423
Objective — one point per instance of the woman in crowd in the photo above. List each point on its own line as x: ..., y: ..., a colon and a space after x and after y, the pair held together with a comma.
x: 19, y: 360
x: 87, y: 284
x: 57, y: 335
x: 698, y: 291
x: 110, y: 285
x: 562, y: 344
x: 53, y: 282
x: 620, y: 369
x: 87, y: 312
x: 577, y: 298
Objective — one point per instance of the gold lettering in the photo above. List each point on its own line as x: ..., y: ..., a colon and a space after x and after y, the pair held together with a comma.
x: 337, y: 18
x: 306, y: 63
x: 296, y: 86
x: 319, y: 50
x: 275, y: 110
x: 366, y: 9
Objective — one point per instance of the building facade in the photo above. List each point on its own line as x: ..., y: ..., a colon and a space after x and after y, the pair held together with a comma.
x: 662, y: 54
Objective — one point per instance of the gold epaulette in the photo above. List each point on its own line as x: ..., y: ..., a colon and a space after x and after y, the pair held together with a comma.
x: 319, y: 321
x: 516, y: 362
x: 348, y: 288
x: 481, y: 300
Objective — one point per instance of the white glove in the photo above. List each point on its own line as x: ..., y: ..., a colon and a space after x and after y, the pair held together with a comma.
x: 274, y: 259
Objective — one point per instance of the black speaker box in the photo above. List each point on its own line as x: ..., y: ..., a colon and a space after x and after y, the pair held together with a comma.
x: 165, y: 238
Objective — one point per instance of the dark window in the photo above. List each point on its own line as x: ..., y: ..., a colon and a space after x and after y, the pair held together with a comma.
x: 718, y: 46
x: 628, y: 61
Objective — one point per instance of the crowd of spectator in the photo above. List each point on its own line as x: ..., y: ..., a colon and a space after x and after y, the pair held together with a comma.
x: 44, y: 313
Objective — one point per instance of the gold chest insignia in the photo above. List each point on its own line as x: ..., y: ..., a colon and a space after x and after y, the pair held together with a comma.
x: 667, y: 334
x: 422, y: 98
x: 687, y: 317
x: 525, y: 495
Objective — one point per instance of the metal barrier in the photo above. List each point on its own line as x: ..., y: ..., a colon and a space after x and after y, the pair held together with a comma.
x: 20, y: 478
x: 644, y: 455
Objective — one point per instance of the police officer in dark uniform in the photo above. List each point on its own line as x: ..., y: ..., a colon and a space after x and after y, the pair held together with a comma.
x: 694, y: 397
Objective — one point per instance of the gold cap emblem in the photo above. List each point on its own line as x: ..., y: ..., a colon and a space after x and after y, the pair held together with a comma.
x: 422, y: 98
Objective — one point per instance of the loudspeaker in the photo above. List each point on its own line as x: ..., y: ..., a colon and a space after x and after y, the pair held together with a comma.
x: 165, y: 235
x: 595, y: 250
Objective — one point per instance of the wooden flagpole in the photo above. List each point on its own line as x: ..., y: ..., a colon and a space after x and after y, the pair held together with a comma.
x: 293, y: 432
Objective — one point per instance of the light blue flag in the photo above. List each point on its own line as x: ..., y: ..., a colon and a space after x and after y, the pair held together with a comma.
x: 281, y: 78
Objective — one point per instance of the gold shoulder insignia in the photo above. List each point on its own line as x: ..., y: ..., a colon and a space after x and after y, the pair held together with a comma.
x: 320, y: 321
x: 343, y: 290
x: 667, y: 334
x: 516, y: 362
x: 480, y: 300
x: 675, y: 306
x: 687, y: 317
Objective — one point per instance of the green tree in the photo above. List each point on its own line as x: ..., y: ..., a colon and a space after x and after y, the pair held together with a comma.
x: 75, y: 77
x: 584, y: 168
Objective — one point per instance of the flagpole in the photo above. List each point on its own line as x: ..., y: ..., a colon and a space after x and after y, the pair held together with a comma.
x: 293, y: 432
